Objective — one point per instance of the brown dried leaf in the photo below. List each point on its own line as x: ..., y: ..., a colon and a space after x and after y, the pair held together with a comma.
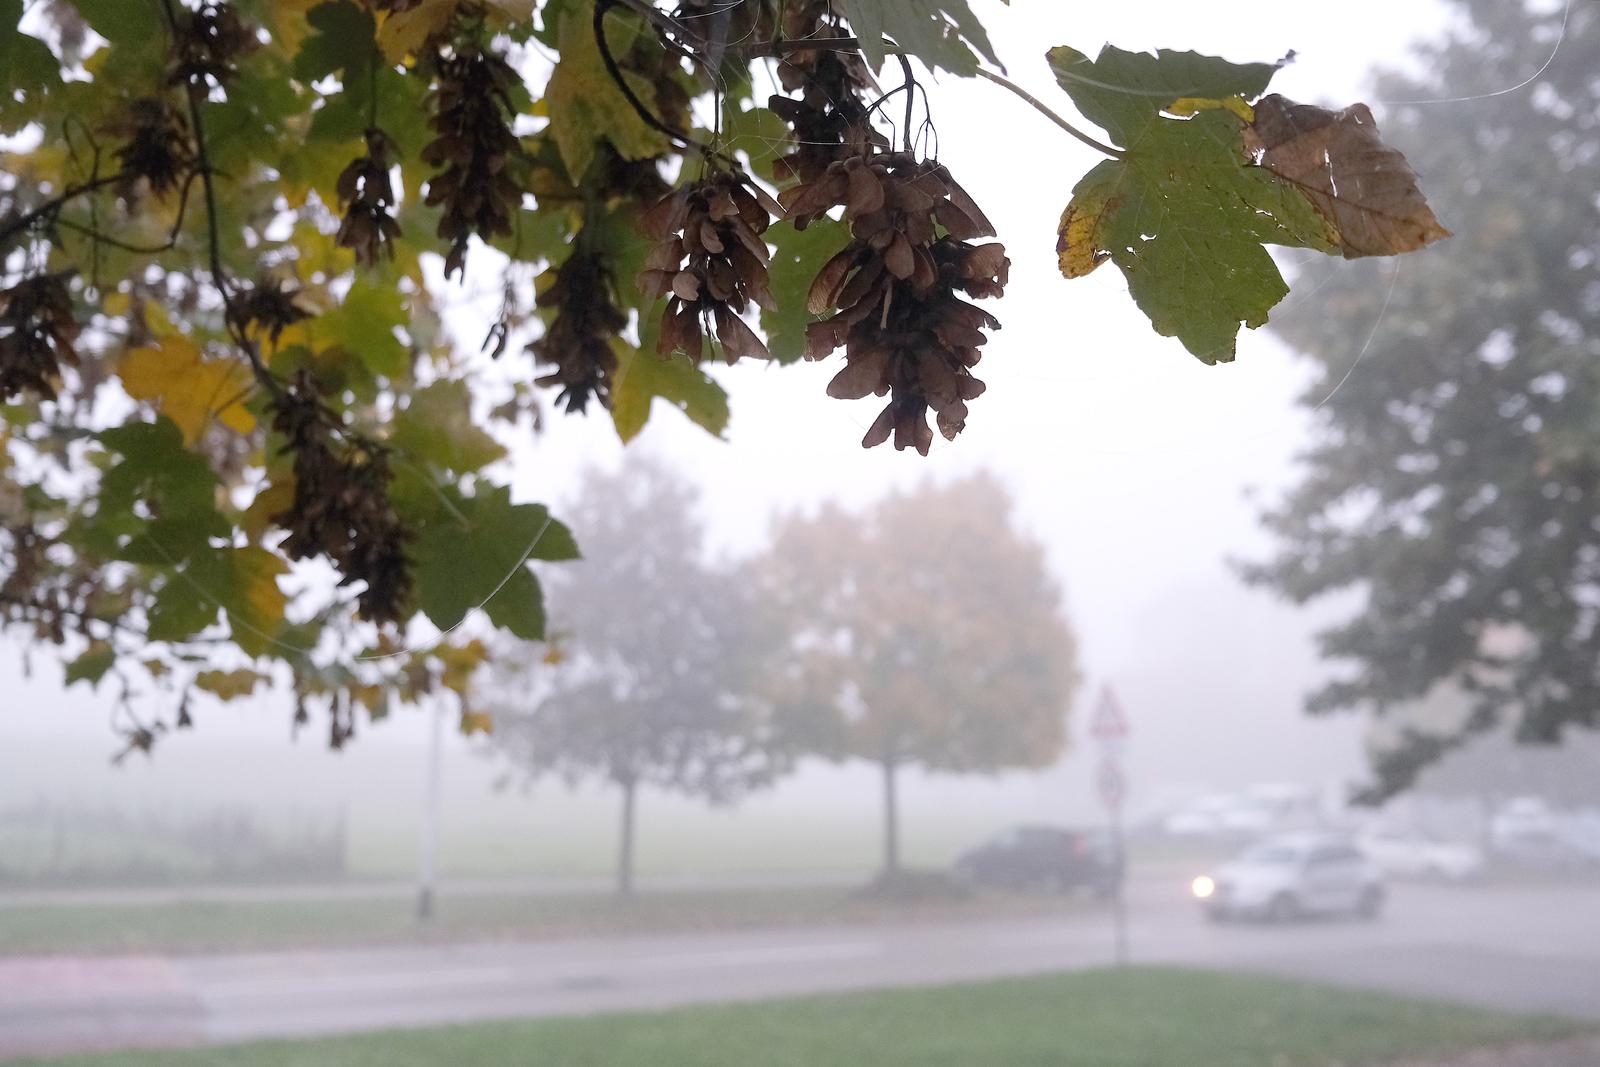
x: 1363, y: 187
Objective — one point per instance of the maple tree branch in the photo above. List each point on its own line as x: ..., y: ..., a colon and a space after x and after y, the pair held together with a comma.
x: 1044, y: 109
x: 911, y: 97
x: 219, y: 277
x: 601, y: 8
x: 851, y: 44
x: 148, y: 250
x: 22, y: 222
x: 654, y: 15
x: 36, y: 611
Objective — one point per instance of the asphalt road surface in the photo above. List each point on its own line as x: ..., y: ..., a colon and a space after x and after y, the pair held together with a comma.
x: 1529, y: 949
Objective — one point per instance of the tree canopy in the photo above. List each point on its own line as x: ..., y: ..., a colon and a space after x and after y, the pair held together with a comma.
x: 652, y: 681
x: 926, y: 632
x: 232, y: 416
x: 1455, y: 485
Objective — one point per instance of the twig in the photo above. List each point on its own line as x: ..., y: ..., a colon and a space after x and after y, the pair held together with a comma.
x: 852, y: 44
x: 911, y: 96
x: 23, y: 221
x: 147, y: 250
x: 1039, y: 105
x: 601, y: 7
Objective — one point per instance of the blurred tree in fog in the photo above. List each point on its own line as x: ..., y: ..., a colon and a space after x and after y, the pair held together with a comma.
x: 925, y: 632
x: 652, y: 682
x: 1455, y: 480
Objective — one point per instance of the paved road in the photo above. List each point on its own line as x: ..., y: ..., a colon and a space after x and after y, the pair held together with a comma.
x: 1534, y: 949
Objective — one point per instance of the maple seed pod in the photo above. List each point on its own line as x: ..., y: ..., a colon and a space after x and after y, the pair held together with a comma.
x: 896, y: 291
x: 37, y: 335
x: 829, y: 120
x: 158, y: 151
x: 711, y: 264
x: 271, y: 306
x: 474, y: 150
x: 578, y: 340
x: 367, y: 202
x: 341, y: 508
x: 206, y: 46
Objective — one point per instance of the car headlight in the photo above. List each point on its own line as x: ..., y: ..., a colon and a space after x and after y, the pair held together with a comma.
x: 1203, y: 887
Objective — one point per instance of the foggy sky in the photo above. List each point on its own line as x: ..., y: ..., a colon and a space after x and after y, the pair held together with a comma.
x: 1129, y: 459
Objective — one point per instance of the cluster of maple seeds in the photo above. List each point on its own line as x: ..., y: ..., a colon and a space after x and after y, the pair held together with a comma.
x: 366, y: 200
x: 474, y: 149
x: 37, y: 335
x: 577, y: 342
x: 341, y: 508
x: 579, y: 295
x: 271, y: 306
x: 894, y: 290
x: 207, y: 44
x: 711, y: 264
x: 829, y: 118
x: 157, y: 153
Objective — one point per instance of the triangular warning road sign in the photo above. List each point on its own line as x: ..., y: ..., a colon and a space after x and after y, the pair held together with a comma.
x: 1108, y: 722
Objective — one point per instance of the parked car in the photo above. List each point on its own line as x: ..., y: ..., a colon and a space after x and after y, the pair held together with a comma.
x: 1526, y: 833
x: 1522, y: 819
x: 1412, y: 854
x: 1200, y: 819
x: 1054, y: 856
x: 1293, y: 876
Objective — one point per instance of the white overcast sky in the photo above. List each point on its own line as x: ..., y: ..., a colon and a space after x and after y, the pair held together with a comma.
x: 1129, y: 459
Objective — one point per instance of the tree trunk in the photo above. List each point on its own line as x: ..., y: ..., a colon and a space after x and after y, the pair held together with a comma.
x: 625, y: 848
x: 891, y: 820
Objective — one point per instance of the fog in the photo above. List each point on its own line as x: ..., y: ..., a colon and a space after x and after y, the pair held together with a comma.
x: 244, y: 881
x: 1132, y: 463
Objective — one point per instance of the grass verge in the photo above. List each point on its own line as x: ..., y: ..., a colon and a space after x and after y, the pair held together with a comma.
x: 194, y: 926
x: 1136, y: 1017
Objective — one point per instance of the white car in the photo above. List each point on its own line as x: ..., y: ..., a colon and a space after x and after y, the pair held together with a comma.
x: 1293, y: 876
x: 1402, y: 854
x: 1522, y: 818
x: 1202, y: 818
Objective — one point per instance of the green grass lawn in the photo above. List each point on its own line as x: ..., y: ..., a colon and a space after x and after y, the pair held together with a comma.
x: 1139, y: 1017
x: 210, y: 926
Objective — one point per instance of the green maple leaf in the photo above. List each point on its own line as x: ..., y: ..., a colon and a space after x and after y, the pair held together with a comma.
x: 92, y: 664
x: 797, y: 257
x: 341, y: 42
x: 475, y: 555
x: 436, y: 427
x: 642, y: 376
x: 1183, y: 211
x: 942, y: 33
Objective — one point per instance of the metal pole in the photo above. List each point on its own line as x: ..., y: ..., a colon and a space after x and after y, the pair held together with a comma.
x: 428, y: 839
x: 1119, y: 901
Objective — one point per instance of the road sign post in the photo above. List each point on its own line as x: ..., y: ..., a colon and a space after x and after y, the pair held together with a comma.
x: 1109, y: 728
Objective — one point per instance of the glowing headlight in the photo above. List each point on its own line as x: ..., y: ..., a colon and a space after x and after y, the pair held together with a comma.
x: 1202, y: 887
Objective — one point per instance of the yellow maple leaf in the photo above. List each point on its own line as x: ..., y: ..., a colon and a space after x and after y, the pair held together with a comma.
x: 189, y: 389
x: 255, y: 574
x: 404, y: 33
x: 230, y: 685
x: 287, y: 23
x: 586, y: 106
x: 476, y: 722
x: 273, y: 499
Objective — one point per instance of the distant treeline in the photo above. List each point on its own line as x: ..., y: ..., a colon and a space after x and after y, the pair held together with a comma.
x: 51, y: 844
